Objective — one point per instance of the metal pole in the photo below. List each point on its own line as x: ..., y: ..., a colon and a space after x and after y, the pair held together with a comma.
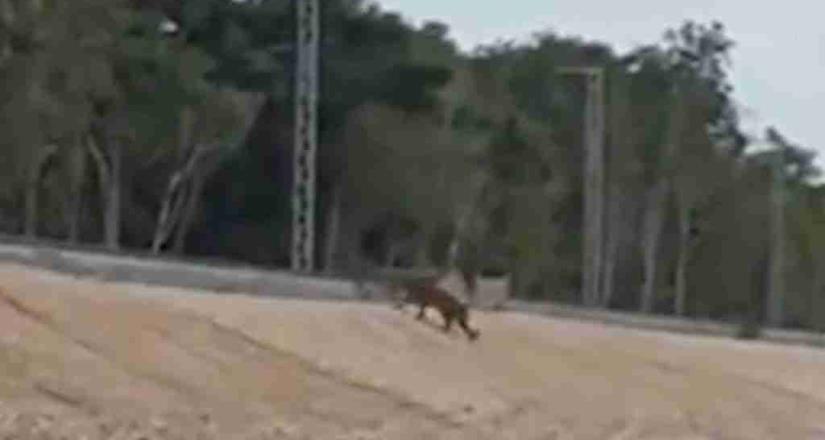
x: 596, y: 168
x: 306, y: 135
x: 593, y: 180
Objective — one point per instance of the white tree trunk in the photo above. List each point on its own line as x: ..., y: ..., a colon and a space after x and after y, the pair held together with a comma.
x: 391, y: 255
x: 188, y: 216
x: 109, y: 172
x: 680, y: 299
x: 333, y: 225
x: 182, y: 195
x: 651, y: 233
x: 459, y: 234
x: 177, y: 206
x: 655, y: 208
x: 169, y: 210
x: 173, y: 201
x: 422, y: 250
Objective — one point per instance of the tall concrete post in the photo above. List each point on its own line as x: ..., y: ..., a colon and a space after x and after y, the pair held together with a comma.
x: 593, y: 180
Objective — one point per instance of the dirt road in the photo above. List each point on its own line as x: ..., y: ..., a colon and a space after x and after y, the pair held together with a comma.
x: 85, y: 359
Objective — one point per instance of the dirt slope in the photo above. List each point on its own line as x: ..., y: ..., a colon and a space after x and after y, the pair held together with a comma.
x: 85, y: 359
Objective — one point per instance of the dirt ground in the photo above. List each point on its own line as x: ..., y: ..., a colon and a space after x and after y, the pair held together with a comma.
x: 89, y: 360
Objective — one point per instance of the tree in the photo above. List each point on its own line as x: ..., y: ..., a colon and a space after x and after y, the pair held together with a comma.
x: 808, y: 224
x: 791, y: 166
x: 209, y: 130
x: 425, y: 174
x: 404, y: 78
x: 49, y: 75
x: 701, y: 123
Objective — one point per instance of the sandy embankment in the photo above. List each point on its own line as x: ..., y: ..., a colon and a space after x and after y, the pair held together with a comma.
x: 105, y: 360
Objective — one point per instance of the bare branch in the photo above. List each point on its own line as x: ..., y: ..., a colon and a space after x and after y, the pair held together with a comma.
x: 99, y: 157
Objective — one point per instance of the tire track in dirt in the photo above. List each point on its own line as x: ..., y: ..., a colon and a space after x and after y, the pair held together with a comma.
x: 767, y: 403
x: 242, y: 342
x: 64, y: 332
x: 64, y: 398
x: 399, y: 399
x: 761, y: 406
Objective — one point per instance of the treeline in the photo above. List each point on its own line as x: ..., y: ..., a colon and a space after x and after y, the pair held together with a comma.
x: 167, y: 125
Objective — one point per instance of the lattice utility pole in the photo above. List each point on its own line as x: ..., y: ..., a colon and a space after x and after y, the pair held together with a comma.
x: 306, y: 135
x: 594, y: 123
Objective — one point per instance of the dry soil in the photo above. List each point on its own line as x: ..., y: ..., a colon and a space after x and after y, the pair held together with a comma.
x: 86, y: 359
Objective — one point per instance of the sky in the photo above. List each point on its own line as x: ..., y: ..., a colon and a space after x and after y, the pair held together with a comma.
x: 778, y: 69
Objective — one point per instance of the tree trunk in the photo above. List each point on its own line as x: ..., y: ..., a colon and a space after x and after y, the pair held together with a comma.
x: 656, y: 204
x: 616, y: 224
x: 452, y: 252
x: 333, y: 224
x: 188, y: 216
x: 109, y: 170
x: 75, y: 214
x: 177, y: 206
x: 751, y: 326
x: 680, y: 299
x: 32, y: 202
x: 175, y: 198
x: 113, y: 195
x: 391, y: 255
x: 422, y: 251
x: 611, y: 248
x: 817, y: 292
x: 32, y: 192
x: 169, y: 208
x: 651, y: 233
x: 187, y: 125
x: 462, y: 224
x: 455, y: 244
x: 77, y: 177
x: 182, y: 195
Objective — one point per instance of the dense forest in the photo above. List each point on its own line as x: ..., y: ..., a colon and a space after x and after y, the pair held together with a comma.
x: 166, y: 126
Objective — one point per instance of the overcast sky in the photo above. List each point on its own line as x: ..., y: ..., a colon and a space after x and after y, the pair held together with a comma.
x: 779, y: 58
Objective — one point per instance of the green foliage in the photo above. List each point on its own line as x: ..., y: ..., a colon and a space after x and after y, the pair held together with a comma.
x: 410, y: 87
x: 244, y: 39
x: 798, y: 162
